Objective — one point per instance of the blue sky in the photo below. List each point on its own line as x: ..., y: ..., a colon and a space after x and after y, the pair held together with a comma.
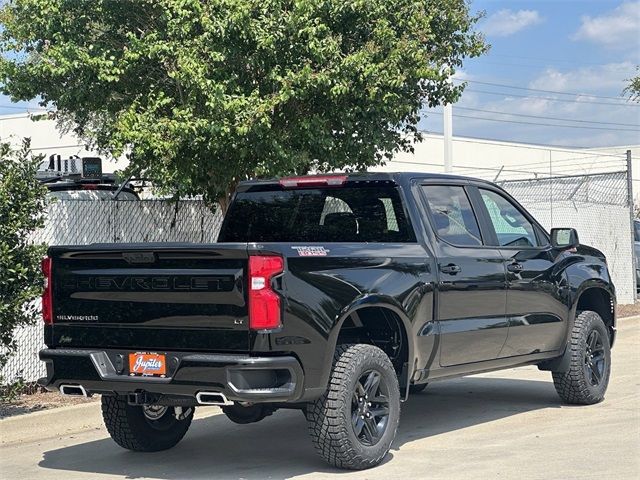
x: 587, y: 47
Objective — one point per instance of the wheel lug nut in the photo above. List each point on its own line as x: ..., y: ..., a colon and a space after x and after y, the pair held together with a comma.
x: 369, y: 404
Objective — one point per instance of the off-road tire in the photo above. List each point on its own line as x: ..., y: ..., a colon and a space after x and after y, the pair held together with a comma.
x: 574, y: 386
x: 131, y: 429
x: 417, y: 388
x: 330, y: 417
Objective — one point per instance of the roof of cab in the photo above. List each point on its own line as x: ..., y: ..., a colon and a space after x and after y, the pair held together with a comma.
x: 365, y: 177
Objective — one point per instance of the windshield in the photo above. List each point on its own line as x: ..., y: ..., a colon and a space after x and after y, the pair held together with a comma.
x: 345, y: 214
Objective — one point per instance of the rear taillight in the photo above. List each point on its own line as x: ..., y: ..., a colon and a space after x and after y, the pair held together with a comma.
x: 264, y: 303
x: 47, y: 305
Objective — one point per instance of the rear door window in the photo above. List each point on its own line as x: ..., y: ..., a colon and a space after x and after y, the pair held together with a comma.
x: 452, y: 216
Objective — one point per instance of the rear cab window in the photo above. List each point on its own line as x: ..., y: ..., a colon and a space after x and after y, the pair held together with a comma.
x: 348, y: 213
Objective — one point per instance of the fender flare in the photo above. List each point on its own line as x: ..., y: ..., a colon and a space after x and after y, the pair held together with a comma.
x: 584, y: 286
x: 368, y: 301
x: 562, y: 363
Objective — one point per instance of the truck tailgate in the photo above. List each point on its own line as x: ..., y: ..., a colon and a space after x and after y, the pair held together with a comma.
x: 150, y: 297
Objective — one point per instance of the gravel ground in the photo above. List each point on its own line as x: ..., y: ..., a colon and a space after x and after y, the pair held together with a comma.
x: 628, y: 310
x: 39, y: 401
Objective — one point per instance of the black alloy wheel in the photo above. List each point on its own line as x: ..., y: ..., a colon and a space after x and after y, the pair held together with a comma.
x: 354, y: 422
x: 594, y: 358
x: 370, y: 408
x: 584, y: 379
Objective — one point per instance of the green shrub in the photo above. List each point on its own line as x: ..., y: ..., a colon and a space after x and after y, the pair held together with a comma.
x: 22, y: 211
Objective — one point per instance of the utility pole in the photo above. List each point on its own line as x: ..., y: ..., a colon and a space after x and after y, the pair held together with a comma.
x: 631, y: 214
x: 448, y: 140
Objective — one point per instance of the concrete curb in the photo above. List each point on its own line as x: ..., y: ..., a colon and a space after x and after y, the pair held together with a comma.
x: 66, y: 421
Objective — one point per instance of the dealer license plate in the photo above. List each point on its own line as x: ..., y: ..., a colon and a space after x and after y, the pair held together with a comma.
x: 147, y: 364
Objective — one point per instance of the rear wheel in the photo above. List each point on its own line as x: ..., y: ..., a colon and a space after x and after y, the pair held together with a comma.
x: 586, y: 381
x: 148, y: 428
x: 354, y: 423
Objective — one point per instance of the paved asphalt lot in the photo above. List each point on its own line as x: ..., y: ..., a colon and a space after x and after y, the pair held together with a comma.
x: 505, y: 425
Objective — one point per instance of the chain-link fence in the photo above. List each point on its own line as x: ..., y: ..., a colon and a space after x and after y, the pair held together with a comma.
x: 598, y: 206
x: 77, y: 222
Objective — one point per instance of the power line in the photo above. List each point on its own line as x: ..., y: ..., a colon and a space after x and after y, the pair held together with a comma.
x: 566, y: 100
x: 553, y: 60
x: 537, y: 66
x: 502, y: 85
x: 540, y: 124
x: 526, y: 146
x: 547, y: 118
x: 16, y: 107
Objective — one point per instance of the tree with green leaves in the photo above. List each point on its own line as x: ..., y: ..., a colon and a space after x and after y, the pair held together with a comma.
x: 633, y: 89
x: 204, y: 93
x: 22, y: 209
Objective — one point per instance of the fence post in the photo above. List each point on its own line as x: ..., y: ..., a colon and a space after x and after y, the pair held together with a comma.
x: 630, y: 203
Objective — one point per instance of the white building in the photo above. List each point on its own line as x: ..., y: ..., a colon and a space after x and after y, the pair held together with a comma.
x: 471, y: 156
x: 493, y: 159
x: 47, y: 139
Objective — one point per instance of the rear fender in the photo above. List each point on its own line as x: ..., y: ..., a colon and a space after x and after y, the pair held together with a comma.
x: 367, y: 301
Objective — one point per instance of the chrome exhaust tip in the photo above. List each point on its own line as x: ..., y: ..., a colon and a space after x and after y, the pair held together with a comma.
x: 212, y: 398
x: 73, y: 391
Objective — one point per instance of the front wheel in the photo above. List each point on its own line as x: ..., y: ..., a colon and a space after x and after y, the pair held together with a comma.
x: 586, y: 381
x: 354, y: 422
x: 148, y: 428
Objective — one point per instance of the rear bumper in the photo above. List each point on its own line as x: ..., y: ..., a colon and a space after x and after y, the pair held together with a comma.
x: 237, y: 377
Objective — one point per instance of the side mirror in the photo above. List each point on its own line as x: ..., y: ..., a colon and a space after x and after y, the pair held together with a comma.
x: 564, y: 238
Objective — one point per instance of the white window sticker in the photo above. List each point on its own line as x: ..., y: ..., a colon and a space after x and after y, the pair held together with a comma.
x: 309, y: 251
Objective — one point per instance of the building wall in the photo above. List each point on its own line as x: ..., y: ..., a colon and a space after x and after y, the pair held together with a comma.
x: 471, y: 156
x: 47, y: 139
x: 485, y: 158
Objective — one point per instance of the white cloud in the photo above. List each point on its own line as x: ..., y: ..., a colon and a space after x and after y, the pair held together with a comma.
x: 592, y: 79
x: 606, y: 80
x: 618, y: 28
x: 507, y: 22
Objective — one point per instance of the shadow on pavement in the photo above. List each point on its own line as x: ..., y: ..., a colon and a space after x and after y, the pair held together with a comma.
x: 279, y: 447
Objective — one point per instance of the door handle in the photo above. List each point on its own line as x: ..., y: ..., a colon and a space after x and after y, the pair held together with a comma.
x: 451, y: 269
x: 515, y: 267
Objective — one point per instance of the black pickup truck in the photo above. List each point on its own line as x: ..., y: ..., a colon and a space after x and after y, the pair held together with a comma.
x: 338, y: 295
